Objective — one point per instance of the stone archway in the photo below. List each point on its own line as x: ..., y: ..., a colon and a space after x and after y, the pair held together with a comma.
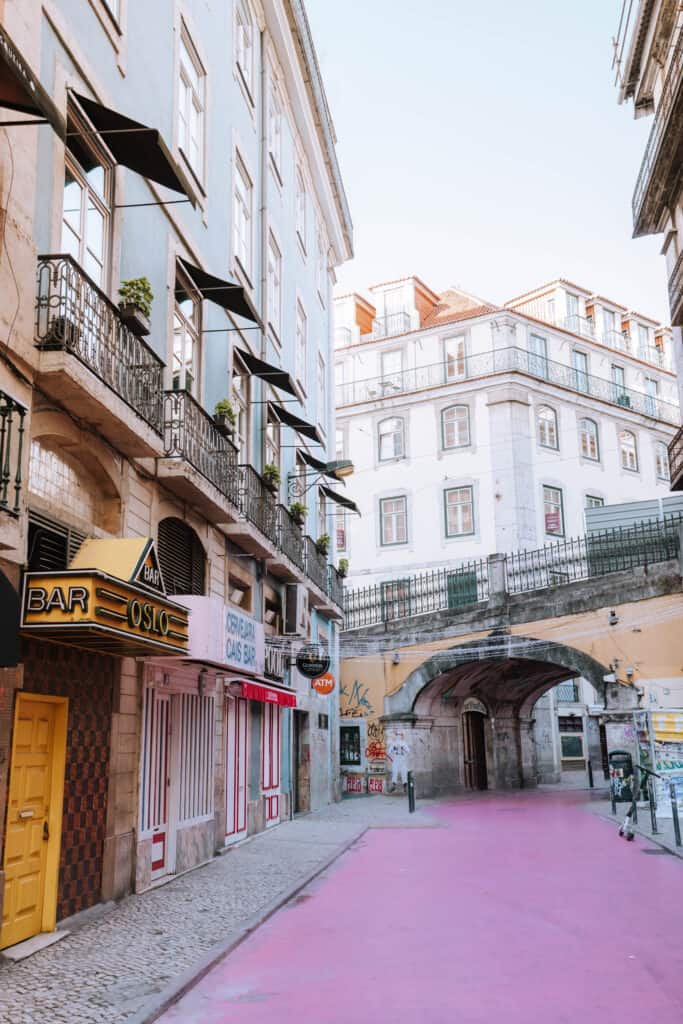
x: 508, y: 674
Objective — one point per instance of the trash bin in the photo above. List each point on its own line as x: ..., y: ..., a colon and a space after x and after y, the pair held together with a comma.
x: 621, y: 775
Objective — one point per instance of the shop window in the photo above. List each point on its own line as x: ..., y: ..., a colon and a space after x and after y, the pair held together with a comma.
x: 181, y: 557
x: 349, y: 745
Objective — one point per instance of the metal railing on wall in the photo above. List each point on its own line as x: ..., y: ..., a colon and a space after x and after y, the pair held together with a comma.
x: 12, y: 427
x: 190, y: 433
x: 74, y: 315
x: 290, y: 538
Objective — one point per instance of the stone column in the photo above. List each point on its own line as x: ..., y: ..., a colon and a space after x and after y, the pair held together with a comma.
x: 497, y: 580
x: 506, y: 748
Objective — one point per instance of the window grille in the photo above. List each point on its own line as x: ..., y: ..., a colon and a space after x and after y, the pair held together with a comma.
x: 195, y: 755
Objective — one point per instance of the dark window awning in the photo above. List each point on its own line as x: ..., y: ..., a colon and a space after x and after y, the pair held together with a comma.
x: 301, y: 426
x: 136, y: 146
x: 266, y: 371
x: 340, y: 499
x: 20, y: 89
x: 319, y: 466
x: 226, y: 294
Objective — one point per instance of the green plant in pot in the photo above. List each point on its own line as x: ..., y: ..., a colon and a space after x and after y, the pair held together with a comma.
x: 271, y: 476
x: 343, y: 567
x: 298, y: 512
x: 135, y: 304
x: 323, y: 543
x: 224, y: 417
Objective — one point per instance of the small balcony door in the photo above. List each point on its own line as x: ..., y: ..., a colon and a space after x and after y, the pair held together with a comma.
x: 236, y: 760
x: 538, y: 356
x: 155, y: 780
x: 580, y: 365
x: 270, y: 762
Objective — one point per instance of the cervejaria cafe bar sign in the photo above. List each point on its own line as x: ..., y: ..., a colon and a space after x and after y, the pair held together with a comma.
x: 111, y: 599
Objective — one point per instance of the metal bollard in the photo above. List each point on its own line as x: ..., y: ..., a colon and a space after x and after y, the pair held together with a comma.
x: 636, y: 791
x: 411, y: 793
x: 591, y: 784
x: 612, y: 796
x: 651, y: 797
x: 674, y: 813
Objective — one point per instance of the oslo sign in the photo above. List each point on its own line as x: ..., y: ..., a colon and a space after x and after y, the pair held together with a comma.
x: 313, y: 661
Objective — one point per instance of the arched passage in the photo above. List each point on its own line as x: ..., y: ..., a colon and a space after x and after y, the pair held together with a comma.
x: 506, y: 674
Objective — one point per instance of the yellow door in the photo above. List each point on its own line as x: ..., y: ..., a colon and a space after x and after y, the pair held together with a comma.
x: 33, y: 818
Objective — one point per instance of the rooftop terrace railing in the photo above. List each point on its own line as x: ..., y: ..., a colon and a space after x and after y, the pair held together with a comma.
x: 505, y: 360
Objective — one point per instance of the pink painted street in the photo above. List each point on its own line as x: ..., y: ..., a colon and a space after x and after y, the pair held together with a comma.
x: 516, y: 908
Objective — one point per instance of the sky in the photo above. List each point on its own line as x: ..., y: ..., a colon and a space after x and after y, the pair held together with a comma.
x: 482, y: 146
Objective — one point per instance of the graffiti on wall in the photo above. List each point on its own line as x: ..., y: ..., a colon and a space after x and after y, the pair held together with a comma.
x: 376, y: 751
x: 355, y: 702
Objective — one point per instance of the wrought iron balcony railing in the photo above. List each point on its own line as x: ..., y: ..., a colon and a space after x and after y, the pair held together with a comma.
x: 290, y: 538
x: 316, y: 565
x: 676, y: 461
x: 507, y: 360
x: 12, y: 426
x: 580, y: 325
x: 661, y: 148
x: 335, y: 586
x: 676, y: 292
x: 257, y: 502
x: 74, y: 315
x: 393, y: 323
x: 615, y: 339
x: 190, y: 434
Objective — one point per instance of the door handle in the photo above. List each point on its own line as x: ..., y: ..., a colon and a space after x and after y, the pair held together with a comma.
x: 46, y: 830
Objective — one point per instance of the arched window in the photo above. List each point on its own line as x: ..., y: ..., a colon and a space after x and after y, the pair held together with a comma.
x: 391, y: 439
x: 546, y: 421
x: 455, y: 426
x: 628, y: 452
x: 662, y: 460
x: 588, y: 439
x: 181, y: 557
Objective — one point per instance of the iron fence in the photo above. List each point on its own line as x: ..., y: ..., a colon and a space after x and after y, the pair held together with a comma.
x: 190, y: 433
x: 676, y: 460
x: 290, y: 538
x: 459, y: 587
x: 596, y: 554
x: 335, y: 586
x: 257, y: 502
x: 74, y: 315
x: 316, y: 565
x: 506, y: 360
x: 393, y: 323
x: 12, y: 426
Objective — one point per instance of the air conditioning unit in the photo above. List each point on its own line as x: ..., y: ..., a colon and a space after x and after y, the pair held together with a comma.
x: 296, y: 609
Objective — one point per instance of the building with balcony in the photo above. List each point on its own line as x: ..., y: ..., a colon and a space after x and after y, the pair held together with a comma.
x: 648, y: 64
x: 189, y: 420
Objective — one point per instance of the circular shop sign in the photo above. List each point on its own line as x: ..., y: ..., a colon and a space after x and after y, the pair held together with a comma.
x: 323, y: 684
x: 312, y: 661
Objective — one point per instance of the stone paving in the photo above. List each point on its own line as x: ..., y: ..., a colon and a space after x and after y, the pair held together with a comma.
x: 110, y: 967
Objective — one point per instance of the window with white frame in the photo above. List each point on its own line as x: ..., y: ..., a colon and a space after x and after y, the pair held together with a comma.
x: 322, y: 392
x: 187, y: 333
x: 274, y: 272
x: 191, y: 105
x: 588, y: 439
x: 243, y: 200
x: 301, y: 208
x: 196, y: 727
x: 244, y: 46
x: 459, y: 511
x: 609, y: 322
x: 662, y: 461
x: 455, y: 357
x: 391, y: 442
x: 652, y: 394
x: 392, y: 367
x: 593, y: 501
x: 580, y: 364
x: 87, y: 202
x: 628, y: 451
x: 271, y: 453
x: 546, y: 423
x: 300, y: 345
x: 240, y: 401
x: 341, y: 531
x: 643, y: 341
x: 553, y: 513
x: 538, y: 355
x: 572, y: 304
x: 455, y: 427
x: 393, y: 518
x: 275, y: 128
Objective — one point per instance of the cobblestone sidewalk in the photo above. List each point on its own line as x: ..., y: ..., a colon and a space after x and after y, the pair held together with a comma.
x: 663, y: 837
x: 109, y: 968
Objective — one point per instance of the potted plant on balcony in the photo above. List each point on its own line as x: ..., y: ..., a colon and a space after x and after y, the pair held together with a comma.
x: 343, y: 567
x: 323, y: 543
x: 224, y: 417
x: 135, y: 304
x: 298, y: 512
x: 271, y: 476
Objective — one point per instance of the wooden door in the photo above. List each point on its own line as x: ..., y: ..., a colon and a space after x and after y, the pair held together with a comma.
x: 236, y: 760
x: 34, y: 814
x: 474, y: 746
x: 155, y: 782
x: 270, y: 762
